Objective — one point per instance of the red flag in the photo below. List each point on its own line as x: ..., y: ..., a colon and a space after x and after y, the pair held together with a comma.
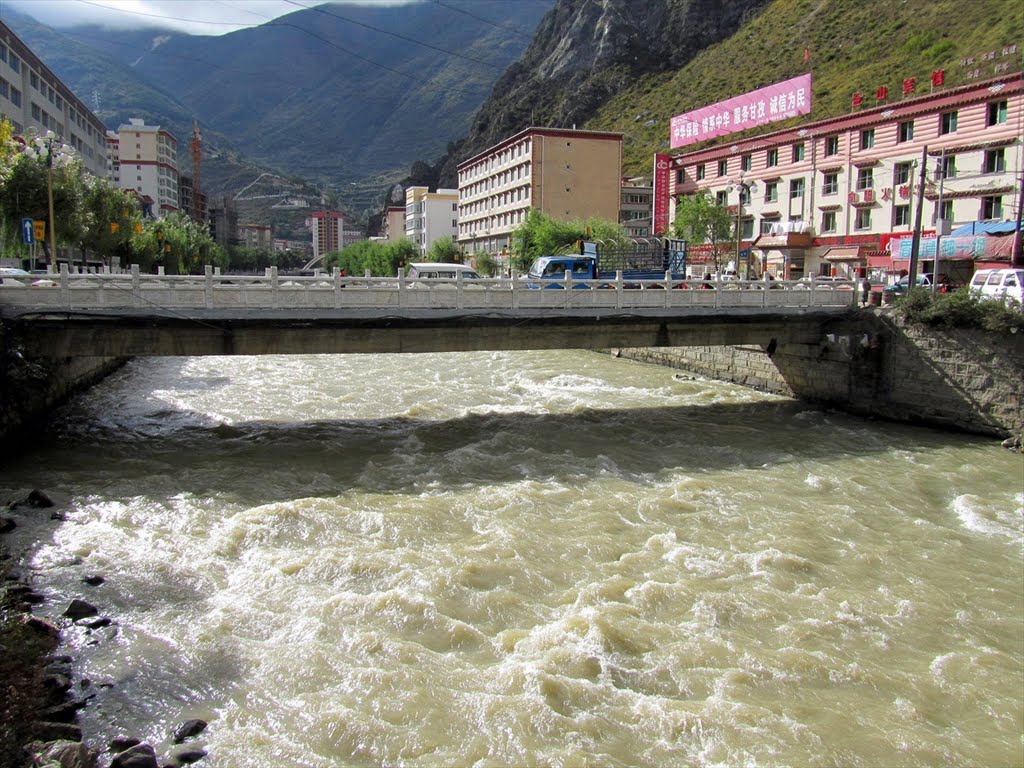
x: 938, y: 77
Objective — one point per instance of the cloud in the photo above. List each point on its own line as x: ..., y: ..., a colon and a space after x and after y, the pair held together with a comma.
x: 196, y: 17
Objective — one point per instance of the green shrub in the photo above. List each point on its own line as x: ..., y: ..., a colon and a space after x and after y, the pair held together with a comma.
x: 960, y: 309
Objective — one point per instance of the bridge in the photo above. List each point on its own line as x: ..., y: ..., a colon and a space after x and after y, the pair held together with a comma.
x: 132, y: 314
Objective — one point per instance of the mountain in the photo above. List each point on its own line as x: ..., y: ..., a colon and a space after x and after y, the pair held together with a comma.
x: 607, y: 65
x: 346, y: 96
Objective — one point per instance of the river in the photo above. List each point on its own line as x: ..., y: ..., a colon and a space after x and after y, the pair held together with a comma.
x: 527, y: 559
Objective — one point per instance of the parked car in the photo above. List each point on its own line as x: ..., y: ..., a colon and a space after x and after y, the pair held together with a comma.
x: 945, y: 285
x: 13, y: 274
x: 1003, y: 284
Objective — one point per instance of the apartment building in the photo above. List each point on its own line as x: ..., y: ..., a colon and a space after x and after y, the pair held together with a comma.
x: 145, y: 158
x: 327, y: 229
x: 429, y: 216
x: 33, y: 99
x: 637, y: 206
x: 392, y: 227
x: 567, y: 174
x: 836, y: 196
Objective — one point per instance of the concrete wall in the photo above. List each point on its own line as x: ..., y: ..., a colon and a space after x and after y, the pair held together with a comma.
x: 31, y: 389
x: 875, y: 365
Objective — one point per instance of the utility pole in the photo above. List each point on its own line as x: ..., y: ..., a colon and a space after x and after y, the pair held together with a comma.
x: 915, y: 243
x: 1017, y: 259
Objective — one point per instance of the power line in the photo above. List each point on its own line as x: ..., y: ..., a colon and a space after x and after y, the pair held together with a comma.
x: 392, y: 34
x: 514, y: 30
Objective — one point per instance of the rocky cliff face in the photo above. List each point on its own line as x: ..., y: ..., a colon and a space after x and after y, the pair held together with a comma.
x: 586, y: 51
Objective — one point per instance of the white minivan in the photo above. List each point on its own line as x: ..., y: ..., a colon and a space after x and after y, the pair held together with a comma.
x: 1002, y: 284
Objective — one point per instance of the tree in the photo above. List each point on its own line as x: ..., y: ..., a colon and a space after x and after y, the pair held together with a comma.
x: 445, y: 250
x: 540, y: 235
x: 702, y: 221
x: 381, y: 259
x: 111, y: 215
x: 178, y: 244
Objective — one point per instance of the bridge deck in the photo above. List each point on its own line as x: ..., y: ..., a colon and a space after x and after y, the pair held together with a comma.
x: 133, y: 314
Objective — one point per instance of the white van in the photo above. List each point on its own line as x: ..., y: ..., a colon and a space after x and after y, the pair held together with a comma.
x: 431, y: 269
x: 1002, y: 284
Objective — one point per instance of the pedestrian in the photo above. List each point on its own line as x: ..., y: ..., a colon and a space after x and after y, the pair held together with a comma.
x: 865, y: 290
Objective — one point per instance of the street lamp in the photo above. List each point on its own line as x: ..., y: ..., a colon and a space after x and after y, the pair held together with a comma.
x: 49, y: 198
x: 746, y: 189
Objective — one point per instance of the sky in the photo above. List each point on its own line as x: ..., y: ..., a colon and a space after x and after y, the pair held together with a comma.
x: 197, y: 17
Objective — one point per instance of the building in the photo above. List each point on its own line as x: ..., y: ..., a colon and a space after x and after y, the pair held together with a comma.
x: 567, y: 174
x: 145, y: 158
x: 840, y: 196
x: 327, y: 229
x: 393, y: 224
x: 33, y: 98
x: 223, y: 222
x: 636, y: 207
x: 258, y: 236
x: 429, y: 216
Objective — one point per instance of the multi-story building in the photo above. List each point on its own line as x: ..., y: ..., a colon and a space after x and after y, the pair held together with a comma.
x: 258, y: 236
x: 637, y: 206
x: 833, y: 196
x: 567, y: 174
x: 33, y: 98
x: 393, y: 224
x: 145, y: 158
x: 430, y: 216
x: 327, y: 227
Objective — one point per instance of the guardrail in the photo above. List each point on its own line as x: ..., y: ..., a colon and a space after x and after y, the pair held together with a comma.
x: 214, y: 291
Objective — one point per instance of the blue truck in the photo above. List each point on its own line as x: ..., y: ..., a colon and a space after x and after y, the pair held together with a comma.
x: 642, y: 260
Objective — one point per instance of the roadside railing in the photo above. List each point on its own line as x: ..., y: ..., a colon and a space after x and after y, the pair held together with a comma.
x: 272, y: 291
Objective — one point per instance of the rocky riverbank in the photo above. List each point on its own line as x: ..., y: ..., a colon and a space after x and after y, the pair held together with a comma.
x: 41, y: 696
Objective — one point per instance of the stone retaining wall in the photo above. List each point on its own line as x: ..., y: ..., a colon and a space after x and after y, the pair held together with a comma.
x: 875, y: 365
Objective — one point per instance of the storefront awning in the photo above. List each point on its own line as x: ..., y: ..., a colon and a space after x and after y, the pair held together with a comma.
x: 783, y: 242
x: 844, y: 253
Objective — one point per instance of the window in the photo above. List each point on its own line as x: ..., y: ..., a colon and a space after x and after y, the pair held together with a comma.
x: 901, y: 173
x: 772, y: 157
x: 33, y: 78
x: 996, y: 113
x: 995, y: 161
x: 906, y: 132
x: 15, y: 63
x: 679, y: 176
x: 701, y: 171
x: 747, y: 229
x: 771, y: 192
x: 865, y: 179
x: 746, y: 162
x: 948, y: 167
x: 863, y: 219
x: 947, y: 123
x: 15, y: 96
x: 744, y: 195
x: 831, y: 146
x: 831, y: 183
x: 720, y: 197
x: 901, y: 216
x: 796, y: 188
x: 945, y: 212
x: 828, y: 221
x: 798, y: 152
x: 723, y: 167
x: 867, y: 138
x: 991, y: 207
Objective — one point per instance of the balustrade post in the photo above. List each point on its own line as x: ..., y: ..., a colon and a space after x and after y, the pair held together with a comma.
x: 208, y: 286
x: 65, y: 292
x: 273, y: 287
x: 668, y: 288
x: 336, y: 281
x: 401, y: 287
x: 619, y: 288
x: 136, y: 286
x: 515, y: 291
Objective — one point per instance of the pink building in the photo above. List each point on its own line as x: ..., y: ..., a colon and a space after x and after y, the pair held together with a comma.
x: 839, y: 195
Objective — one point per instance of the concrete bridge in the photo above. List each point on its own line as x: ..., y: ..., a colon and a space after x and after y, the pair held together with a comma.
x: 132, y: 314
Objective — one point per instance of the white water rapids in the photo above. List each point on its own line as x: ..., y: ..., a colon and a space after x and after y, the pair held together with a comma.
x: 545, y: 558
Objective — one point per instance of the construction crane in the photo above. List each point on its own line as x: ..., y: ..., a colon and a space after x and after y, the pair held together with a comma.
x: 197, y: 164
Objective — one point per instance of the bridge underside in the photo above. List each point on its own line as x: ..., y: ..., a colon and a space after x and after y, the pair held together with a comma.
x: 82, y: 334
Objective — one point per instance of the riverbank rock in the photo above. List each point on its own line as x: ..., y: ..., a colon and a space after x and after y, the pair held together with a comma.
x: 139, y: 756
x: 79, y: 609
x: 188, y: 729
x: 66, y: 754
